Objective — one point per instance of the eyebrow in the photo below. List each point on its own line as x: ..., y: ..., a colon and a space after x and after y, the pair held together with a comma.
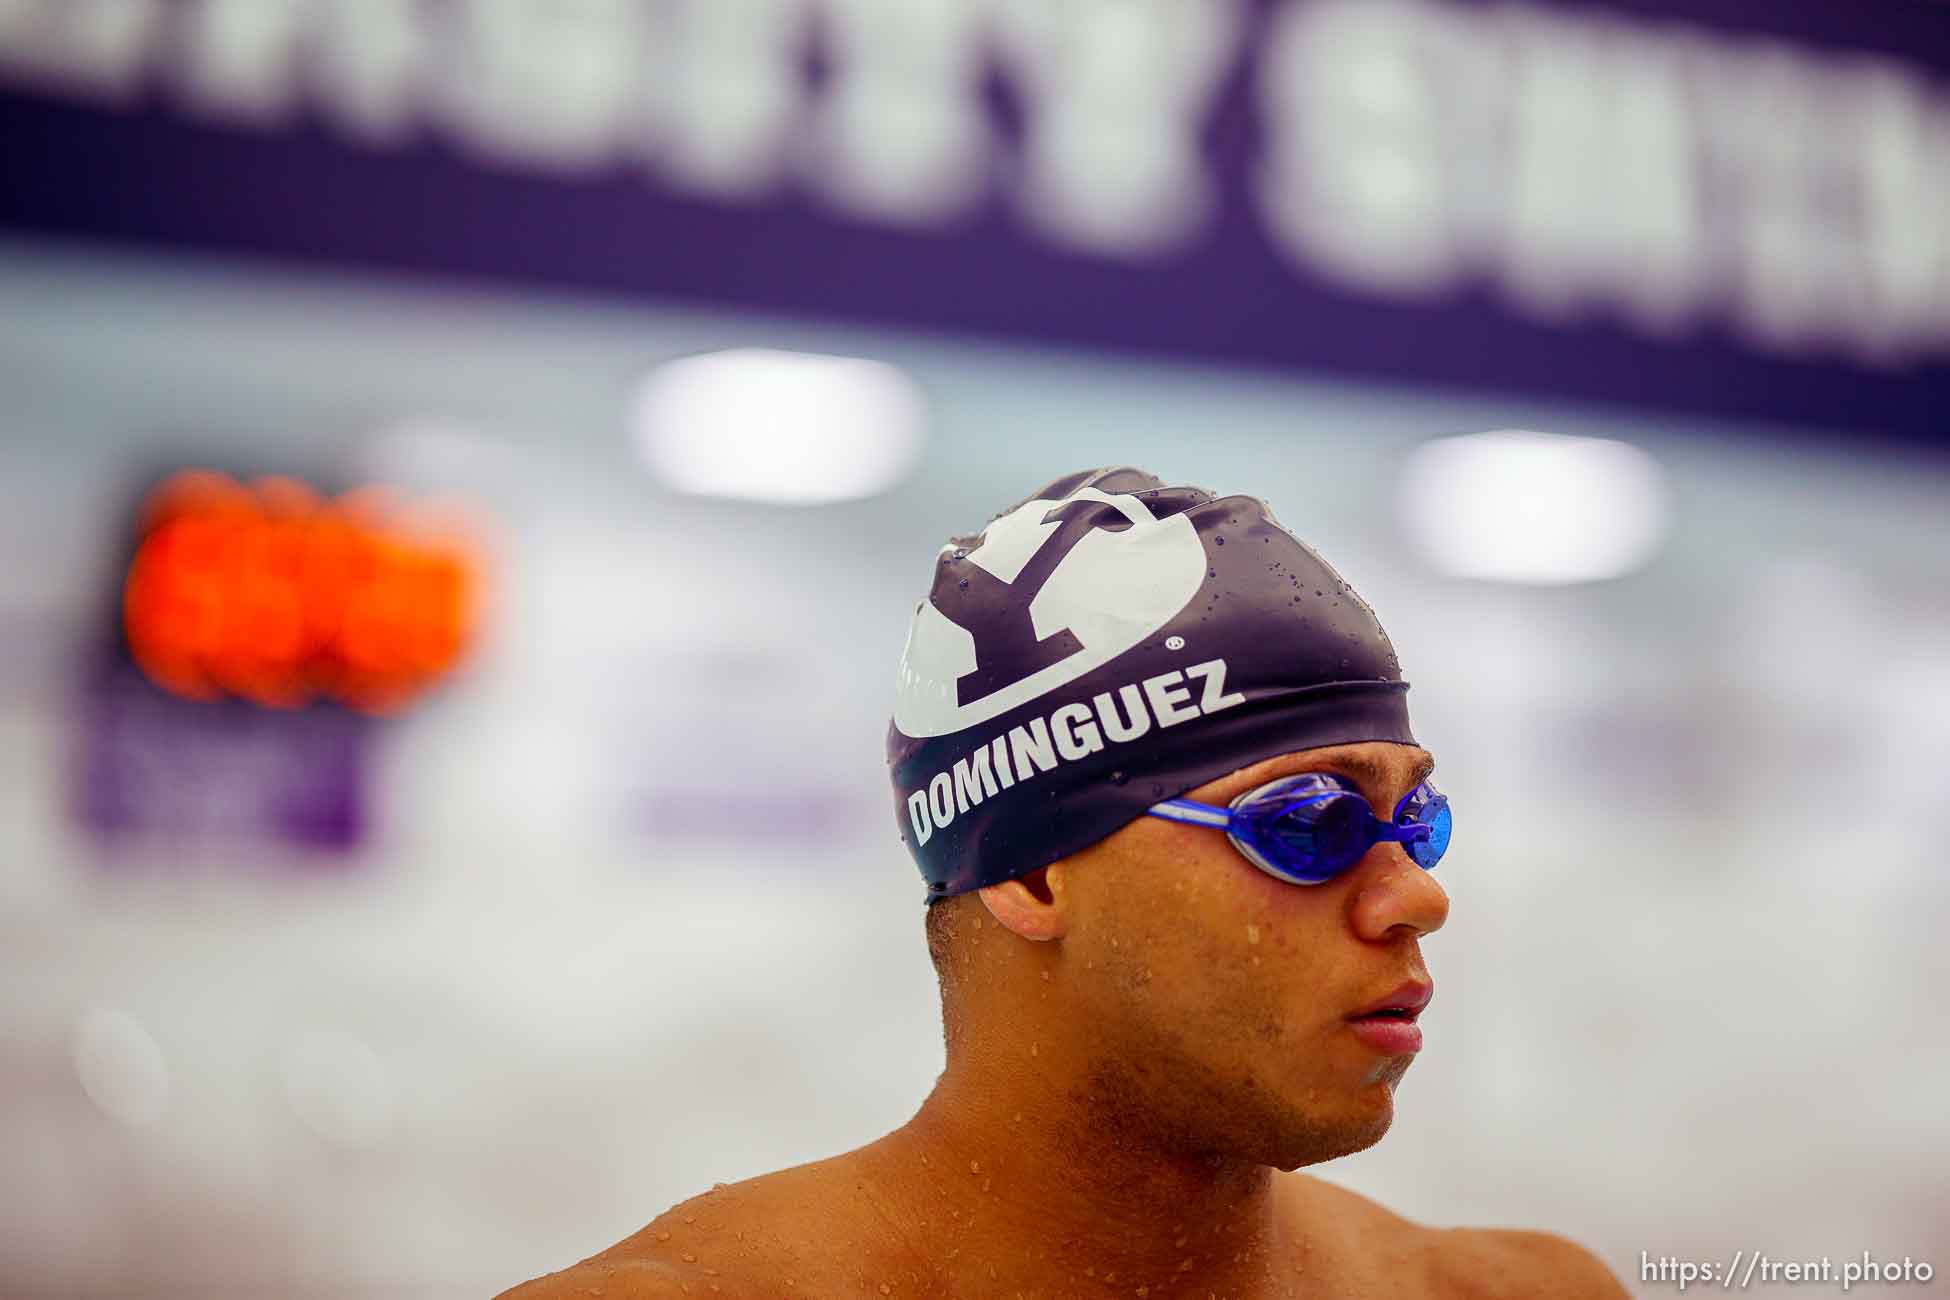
x: 1376, y: 775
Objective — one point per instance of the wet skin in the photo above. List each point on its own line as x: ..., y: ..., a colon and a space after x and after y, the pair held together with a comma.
x: 1141, y: 1037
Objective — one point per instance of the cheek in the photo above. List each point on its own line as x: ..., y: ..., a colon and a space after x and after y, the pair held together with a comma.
x: 1193, y: 941
x: 1240, y: 962
x: 1288, y: 936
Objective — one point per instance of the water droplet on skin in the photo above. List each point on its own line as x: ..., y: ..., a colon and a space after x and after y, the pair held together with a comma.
x: 1032, y: 1049
x: 689, y: 1258
x: 1252, y: 934
x: 974, y: 1166
x: 885, y: 1289
x: 663, y: 1236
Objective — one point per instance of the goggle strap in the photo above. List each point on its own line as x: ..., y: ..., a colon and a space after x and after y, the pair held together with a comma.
x: 1192, y: 813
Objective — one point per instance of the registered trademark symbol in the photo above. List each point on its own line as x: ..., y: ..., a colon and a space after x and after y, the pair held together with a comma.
x: 1174, y: 643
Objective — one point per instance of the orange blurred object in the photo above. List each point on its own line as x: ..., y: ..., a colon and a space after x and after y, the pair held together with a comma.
x: 270, y: 593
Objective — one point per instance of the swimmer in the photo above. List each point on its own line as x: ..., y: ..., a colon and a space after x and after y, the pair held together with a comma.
x: 1152, y: 757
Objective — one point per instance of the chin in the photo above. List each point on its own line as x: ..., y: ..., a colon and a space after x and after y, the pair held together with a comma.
x: 1311, y: 1138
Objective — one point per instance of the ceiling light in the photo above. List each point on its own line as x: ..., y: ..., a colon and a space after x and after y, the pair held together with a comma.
x: 1525, y: 507
x: 790, y: 428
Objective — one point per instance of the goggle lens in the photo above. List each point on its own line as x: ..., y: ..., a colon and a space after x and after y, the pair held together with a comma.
x: 1428, y: 807
x: 1312, y: 827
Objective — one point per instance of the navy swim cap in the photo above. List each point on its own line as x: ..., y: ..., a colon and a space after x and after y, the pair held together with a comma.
x: 1111, y: 642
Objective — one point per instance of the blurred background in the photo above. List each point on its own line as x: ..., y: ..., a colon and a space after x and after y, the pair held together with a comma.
x: 468, y: 465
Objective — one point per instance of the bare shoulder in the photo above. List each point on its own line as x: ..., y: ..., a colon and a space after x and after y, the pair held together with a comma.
x: 781, y: 1232
x: 618, y: 1280
x: 1501, y: 1262
x: 1391, y: 1255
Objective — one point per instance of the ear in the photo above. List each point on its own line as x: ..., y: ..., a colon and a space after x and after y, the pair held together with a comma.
x: 1032, y: 906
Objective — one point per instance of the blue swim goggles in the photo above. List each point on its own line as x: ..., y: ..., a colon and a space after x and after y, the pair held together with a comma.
x: 1309, y: 828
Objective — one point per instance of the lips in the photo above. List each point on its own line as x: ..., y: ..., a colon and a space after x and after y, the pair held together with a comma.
x: 1404, y: 1003
x: 1388, y: 1023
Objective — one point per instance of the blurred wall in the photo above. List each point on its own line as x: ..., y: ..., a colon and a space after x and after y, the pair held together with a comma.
x: 584, y: 966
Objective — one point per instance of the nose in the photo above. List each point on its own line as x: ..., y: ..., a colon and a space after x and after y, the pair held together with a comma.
x: 1392, y: 896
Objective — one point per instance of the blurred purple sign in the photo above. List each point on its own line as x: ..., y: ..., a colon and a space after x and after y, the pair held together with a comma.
x: 1706, y: 205
x: 156, y: 769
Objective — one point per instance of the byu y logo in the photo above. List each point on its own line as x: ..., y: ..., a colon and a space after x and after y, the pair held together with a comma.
x: 1052, y: 590
x: 996, y: 613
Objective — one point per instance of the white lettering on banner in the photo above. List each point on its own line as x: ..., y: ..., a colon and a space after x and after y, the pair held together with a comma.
x: 1809, y: 269
x: 1574, y: 160
x: 369, y: 56
x: 1906, y: 192
x: 902, y: 132
x: 1604, y: 200
x: 1117, y: 91
x: 239, y: 59
x: 1070, y: 733
x: 240, y: 62
x: 93, y: 49
x: 1769, y: 129
x: 1391, y: 121
x: 1355, y: 179
x: 557, y: 86
x: 726, y: 93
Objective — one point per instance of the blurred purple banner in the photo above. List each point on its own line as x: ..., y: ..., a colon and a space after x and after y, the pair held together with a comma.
x: 1712, y: 207
x: 159, y: 771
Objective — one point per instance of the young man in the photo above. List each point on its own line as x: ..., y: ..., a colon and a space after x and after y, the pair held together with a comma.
x: 1152, y: 756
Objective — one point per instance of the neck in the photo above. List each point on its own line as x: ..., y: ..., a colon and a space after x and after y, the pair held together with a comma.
x: 1004, y: 1184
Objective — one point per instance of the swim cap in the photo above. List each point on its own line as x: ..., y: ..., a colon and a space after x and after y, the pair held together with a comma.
x: 1111, y: 642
